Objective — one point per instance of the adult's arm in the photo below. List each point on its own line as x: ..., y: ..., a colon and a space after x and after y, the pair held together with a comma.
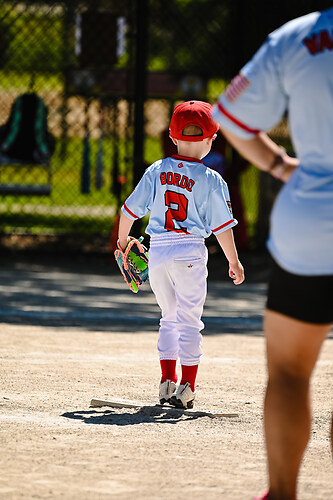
x: 264, y: 153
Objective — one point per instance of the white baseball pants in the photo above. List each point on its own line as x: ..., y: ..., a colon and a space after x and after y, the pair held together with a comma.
x: 178, y: 278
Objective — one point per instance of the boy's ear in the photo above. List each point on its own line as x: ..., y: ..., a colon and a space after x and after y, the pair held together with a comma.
x: 212, y: 138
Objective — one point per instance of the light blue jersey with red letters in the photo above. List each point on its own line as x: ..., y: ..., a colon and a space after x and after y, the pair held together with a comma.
x: 183, y: 196
x: 293, y: 71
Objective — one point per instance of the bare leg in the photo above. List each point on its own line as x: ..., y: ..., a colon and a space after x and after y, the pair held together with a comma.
x: 292, y: 351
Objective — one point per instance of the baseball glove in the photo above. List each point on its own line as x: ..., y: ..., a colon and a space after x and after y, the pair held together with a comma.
x: 133, y: 263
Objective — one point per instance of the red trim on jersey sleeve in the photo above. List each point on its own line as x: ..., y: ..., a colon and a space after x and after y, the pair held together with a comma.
x: 223, y: 225
x: 235, y: 121
x: 131, y: 213
x: 185, y: 158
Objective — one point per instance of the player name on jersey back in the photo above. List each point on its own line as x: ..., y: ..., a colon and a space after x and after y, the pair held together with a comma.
x: 175, y: 179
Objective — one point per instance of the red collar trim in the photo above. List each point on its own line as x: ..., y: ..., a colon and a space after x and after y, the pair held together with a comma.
x: 185, y: 158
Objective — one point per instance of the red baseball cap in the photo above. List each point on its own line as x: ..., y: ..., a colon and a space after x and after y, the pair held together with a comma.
x: 193, y: 113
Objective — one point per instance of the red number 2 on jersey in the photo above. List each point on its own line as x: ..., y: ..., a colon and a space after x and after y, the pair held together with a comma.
x: 179, y: 213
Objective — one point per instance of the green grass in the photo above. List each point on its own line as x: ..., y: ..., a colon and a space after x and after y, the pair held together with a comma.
x: 215, y: 87
x: 249, y: 188
x: 17, y: 83
x: 18, y: 212
x: 67, y: 172
x: 66, y: 192
x: 39, y: 224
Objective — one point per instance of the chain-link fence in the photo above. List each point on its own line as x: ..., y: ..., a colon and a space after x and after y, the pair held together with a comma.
x: 87, y: 89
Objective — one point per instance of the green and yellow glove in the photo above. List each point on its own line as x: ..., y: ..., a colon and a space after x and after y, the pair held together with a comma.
x: 133, y: 263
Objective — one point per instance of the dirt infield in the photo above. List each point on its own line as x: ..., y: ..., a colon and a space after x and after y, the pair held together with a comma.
x: 54, y: 446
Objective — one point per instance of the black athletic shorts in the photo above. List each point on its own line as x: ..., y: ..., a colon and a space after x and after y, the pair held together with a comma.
x: 306, y: 298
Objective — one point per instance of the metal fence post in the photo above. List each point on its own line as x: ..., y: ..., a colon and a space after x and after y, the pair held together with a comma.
x: 140, y: 87
x: 140, y: 96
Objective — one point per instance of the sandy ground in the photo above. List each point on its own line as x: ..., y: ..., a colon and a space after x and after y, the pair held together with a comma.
x: 53, y: 445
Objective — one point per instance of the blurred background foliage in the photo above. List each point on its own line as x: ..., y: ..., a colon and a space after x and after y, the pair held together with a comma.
x: 110, y: 74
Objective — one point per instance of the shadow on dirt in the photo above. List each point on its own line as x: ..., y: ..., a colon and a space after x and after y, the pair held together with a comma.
x: 146, y: 414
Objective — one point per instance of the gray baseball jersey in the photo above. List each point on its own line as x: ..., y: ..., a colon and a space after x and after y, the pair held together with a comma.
x: 183, y: 196
x: 293, y: 71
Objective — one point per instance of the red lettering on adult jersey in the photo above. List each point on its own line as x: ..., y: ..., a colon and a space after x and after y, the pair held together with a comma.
x: 311, y: 44
x: 325, y: 41
x: 318, y: 42
x: 163, y: 178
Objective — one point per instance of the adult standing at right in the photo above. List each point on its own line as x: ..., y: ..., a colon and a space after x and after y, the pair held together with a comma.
x: 292, y: 72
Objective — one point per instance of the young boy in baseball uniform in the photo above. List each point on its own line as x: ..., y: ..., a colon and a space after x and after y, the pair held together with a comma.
x: 187, y: 202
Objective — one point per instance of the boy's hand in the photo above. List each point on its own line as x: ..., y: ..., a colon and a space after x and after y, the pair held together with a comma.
x: 236, y: 272
x: 122, y: 243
